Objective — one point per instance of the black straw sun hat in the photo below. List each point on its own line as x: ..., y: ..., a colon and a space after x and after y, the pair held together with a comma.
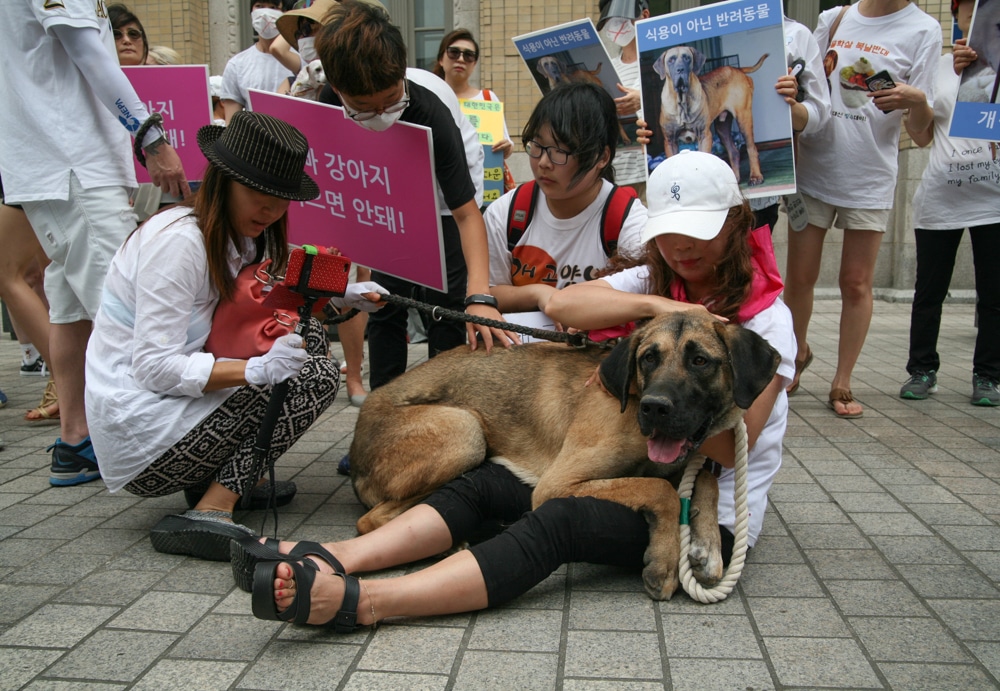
x: 262, y: 153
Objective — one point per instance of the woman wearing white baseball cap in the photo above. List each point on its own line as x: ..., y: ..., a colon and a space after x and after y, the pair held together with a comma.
x: 701, y: 249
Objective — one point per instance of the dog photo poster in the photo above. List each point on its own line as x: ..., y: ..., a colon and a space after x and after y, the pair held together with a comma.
x: 708, y: 77
x: 975, y: 115
x: 573, y: 51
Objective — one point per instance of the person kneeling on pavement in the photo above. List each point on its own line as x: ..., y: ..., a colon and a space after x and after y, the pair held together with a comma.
x: 167, y: 416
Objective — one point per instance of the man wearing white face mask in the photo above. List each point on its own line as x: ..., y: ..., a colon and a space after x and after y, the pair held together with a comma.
x: 364, y: 59
x: 254, y: 68
x: 617, y: 25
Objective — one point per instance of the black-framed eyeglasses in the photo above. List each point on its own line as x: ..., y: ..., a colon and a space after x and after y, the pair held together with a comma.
x: 455, y: 53
x: 363, y: 115
x: 558, y: 156
x: 133, y: 34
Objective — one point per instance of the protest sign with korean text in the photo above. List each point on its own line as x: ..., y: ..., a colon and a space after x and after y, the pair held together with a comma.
x: 487, y: 118
x: 976, y: 109
x: 574, y: 52
x: 708, y: 77
x: 378, y: 200
x: 180, y: 94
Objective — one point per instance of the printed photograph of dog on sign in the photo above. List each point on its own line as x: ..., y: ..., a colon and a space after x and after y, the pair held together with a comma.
x: 708, y: 77
x: 978, y: 104
x: 573, y: 52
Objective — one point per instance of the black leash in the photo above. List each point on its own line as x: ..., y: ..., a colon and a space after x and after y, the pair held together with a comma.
x: 577, y: 340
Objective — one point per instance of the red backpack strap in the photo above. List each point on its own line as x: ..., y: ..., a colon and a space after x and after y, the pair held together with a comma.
x: 486, y: 95
x: 522, y: 208
x: 616, y: 210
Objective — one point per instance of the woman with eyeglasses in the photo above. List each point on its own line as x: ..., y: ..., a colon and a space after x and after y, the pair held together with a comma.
x: 130, y: 37
x: 571, y: 138
x: 457, y: 57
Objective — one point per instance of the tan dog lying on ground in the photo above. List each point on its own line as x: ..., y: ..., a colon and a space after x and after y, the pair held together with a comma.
x: 675, y: 381
x: 690, y: 105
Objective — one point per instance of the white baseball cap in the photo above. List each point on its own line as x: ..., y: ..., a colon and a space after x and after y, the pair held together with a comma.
x: 691, y: 194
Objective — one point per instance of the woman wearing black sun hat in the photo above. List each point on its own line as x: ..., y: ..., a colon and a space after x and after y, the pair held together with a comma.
x: 168, y: 416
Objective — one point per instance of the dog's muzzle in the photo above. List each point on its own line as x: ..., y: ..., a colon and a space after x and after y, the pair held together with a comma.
x: 671, y: 434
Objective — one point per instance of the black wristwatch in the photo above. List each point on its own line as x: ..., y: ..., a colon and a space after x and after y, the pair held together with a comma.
x: 482, y: 299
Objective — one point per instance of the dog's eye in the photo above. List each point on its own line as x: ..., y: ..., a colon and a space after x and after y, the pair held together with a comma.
x: 650, y: 357
x: 699, y: 361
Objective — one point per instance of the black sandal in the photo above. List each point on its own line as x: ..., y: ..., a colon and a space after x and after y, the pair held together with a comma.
x: 244, y: 555
x: 264, y: 607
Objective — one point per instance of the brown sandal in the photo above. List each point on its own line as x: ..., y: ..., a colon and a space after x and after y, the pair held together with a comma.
x: 44, y: 413
x: 843, y: 396
x: 800, y: 367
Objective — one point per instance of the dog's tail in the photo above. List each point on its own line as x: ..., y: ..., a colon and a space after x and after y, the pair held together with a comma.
x: 748, y: 70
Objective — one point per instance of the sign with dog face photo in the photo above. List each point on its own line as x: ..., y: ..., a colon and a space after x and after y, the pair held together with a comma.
x: 976, y: 109
x: 708, y: 77
x: 574, y: 52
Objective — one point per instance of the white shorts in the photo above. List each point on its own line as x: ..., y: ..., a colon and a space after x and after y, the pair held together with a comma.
x: 823, y: 215
x: 80, y: 236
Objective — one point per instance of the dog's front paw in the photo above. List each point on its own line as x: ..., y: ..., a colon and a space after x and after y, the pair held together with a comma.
x: 706, y: 563
x: 756, y: 180
x: 660, y: 577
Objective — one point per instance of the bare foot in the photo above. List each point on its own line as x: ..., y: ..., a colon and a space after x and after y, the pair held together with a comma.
x: 286, y: 547
x: 325, y: 598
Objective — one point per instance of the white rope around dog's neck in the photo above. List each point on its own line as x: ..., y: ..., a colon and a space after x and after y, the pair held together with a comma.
x: 721, y: 589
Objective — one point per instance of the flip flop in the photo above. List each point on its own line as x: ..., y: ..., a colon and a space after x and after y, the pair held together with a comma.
x: 800, y: 367
x: 264, y: 607
x: 41, y: 414
x: 842, y: 396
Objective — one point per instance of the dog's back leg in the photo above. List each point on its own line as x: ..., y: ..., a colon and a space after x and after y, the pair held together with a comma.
x: 402, y: 456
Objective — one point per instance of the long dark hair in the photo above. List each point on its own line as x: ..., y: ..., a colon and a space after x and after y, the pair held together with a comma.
x: 734, y: 273
x: 120, y: 15
x: 584, y: 119
x: 211, y: 209
x: 456, y: 35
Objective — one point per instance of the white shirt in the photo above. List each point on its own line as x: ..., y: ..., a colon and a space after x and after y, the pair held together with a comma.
x: 51, y: 122
x: 146, y: 369
x: 852, y: 162
x: 774, y: 324
x: 252, y: 69
x: 554, y: 251
x: 470, y: 137
x: 629, y: 164
x: 961, y: 183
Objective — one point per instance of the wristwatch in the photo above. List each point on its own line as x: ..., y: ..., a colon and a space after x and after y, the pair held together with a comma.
x: 482, y: 299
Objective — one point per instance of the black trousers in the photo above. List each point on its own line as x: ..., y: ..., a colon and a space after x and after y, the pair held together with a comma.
x: 387, y: 327
x: 936, y: 251
x: 536, y: 543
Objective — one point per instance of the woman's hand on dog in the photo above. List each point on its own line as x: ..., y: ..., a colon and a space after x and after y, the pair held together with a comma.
x: 489, y: 334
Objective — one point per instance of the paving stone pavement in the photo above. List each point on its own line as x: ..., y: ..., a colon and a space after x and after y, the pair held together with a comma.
x: 878, y: 568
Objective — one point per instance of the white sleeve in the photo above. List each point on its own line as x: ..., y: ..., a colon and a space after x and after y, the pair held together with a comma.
x: 231, y: 84
x: 629, y: 240
x: 813, y: 81
x: 105, y: 77
x: 923, y: 74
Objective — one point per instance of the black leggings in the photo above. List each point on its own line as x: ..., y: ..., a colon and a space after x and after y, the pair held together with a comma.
x: 536, y: 543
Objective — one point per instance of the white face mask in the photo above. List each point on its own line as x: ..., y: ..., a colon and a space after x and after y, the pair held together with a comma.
x: 619, y: 31
x: 264, y: 22
x: 381, y: 122
x: 307, y: 49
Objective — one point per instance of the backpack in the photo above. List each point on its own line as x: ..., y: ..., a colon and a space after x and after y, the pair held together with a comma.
x: 616, y: 210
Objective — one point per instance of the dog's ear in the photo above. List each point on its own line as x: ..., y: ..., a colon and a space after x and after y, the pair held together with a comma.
x: 699, y: 60
x: 539, y: 68
x: 753, y: 360
x: 660, y: 66
x: 618, y: 370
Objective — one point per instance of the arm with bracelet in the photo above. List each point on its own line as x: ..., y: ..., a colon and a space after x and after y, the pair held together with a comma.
x: 113, y: 89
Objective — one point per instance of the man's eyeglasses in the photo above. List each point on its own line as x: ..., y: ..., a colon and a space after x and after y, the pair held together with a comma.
x: 558, y: 156
x: 456, y: 53
x: 363, y: 115
x: 133, y: 34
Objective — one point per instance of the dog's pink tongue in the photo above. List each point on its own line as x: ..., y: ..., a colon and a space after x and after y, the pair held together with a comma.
x: 664, y: 450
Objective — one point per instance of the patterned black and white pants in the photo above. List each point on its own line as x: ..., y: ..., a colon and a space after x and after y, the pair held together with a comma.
x: 220, y: 447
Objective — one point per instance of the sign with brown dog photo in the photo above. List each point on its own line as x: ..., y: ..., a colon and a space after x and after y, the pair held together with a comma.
x: 574, y: 52
x: 708, y: 77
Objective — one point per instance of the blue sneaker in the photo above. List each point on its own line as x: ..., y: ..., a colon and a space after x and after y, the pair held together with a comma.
x: 73, y: 465
x: 3, y: 398
x: 344, y: 467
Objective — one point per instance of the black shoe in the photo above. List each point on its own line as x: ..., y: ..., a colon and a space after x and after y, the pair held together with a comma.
x: 284, y: 491
x: 201, y: 534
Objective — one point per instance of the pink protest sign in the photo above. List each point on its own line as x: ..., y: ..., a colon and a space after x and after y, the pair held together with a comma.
x: 180, y: 94
x: 378, y: 202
